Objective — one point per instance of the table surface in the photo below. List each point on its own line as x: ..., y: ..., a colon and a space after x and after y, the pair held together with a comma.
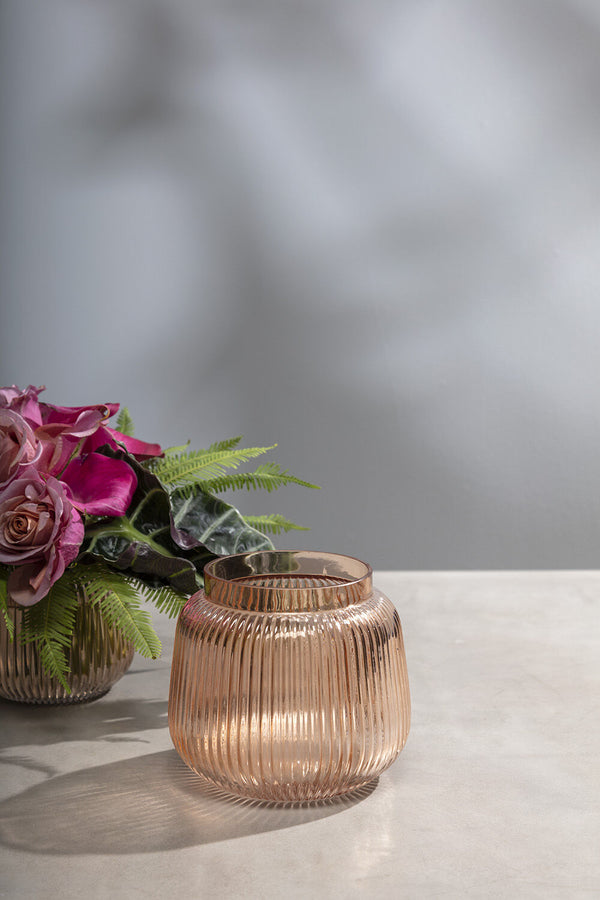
x: 496, y: 793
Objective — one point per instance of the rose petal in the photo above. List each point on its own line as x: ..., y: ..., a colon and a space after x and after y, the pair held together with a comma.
x: 30, y: 583
x: 139, y: 449
x: 100, y: 486
x: 68, y: 415
x: 40, y: 534
x: 107, y: 435
x: 19, y: 446
x: 24, y: 402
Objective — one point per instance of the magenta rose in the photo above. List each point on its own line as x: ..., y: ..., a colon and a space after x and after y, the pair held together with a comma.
x: 40, y: 534
x: 97, y: 484
x: 89, y: 422
x: 69, y: 438
x: 19, y: 446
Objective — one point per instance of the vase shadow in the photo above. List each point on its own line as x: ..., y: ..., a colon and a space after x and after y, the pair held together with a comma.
x: 110, y: 718
x: 144, y: 805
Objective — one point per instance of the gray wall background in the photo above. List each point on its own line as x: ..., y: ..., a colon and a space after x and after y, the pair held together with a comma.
x: 367, y: 231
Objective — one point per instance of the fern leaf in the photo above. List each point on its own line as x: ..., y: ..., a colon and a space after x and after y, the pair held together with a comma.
x: 163, y: 598
x: 10, y: 625
x: 229, y: 444
x: 170, y: 451
x: 267, y: 477
x: 273, y: 524
x: 125, y: 422
x: 201, y: 465
x: 49, y: 624
x: 118, y: 599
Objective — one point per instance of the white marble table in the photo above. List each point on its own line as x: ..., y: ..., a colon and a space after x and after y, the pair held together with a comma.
x: 496, y: 795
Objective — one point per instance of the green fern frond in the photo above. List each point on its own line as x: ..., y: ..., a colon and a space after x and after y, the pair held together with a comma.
x: 164, y: 598
x: 125, y: 422
x: 267, y: 477
x: 10, y: 626
x: 201, y: 465
x: 118, y: 599
x: 153, y: 462
x: 49, y: 624
x: 273, y: 524
x: 170, y: 451
x: 229, y: 444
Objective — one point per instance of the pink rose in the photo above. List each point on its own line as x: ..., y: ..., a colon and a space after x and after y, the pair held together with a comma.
x: 40, y: 534
x: 89, y: 422
x: 19, y: 447
x: 96, y: 484
x: 23, y: 402
x: 69, y: 437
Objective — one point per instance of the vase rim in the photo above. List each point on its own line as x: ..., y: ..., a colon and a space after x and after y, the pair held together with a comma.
x: 288, y: 580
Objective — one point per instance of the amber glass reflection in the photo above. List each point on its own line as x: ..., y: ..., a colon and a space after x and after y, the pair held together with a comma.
x: 289, y: 677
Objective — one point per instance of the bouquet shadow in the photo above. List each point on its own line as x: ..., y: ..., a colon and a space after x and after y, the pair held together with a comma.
x: 112, y: 720
x: 143, y: 805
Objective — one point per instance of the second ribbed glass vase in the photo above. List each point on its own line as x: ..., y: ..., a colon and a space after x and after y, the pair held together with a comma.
x: 99, y: 656
x: 289, y: 677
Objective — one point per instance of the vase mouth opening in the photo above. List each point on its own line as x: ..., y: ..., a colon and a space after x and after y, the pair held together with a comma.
x: 288, y: 581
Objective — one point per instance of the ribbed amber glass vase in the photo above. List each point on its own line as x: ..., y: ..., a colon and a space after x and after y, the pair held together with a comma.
x: 289, y: 677
x: 99, y: 655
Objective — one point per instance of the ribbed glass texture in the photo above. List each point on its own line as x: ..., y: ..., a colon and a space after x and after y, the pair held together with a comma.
x: 98, y: 657
x: 289, y: 677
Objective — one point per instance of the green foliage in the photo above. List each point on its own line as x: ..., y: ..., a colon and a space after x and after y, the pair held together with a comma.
x: 141, y: 542
x: 267, y: 477
x: 228, y: 444
x: 118, y: 598
x: 156, y: 552
x: 4, y: 602
x: 124, y: 422
x: 202, y: 465
x: 163, y: 598
x: 49, y: 624
x: 273, y: 524
x: 203, y: 522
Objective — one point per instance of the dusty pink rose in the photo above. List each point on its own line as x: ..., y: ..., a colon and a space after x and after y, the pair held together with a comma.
x: 19, y: 447
x: 25, y: 402
x: 71, y: 424
x: 69, y: 438
x: 40, y: 534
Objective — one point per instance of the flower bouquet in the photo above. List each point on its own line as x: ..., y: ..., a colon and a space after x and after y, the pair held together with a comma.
x: 88, y: 508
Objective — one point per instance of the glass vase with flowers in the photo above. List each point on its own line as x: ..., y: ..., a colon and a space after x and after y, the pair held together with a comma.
x: 95, y: 524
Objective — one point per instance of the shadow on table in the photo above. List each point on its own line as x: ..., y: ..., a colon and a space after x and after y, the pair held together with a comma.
x: 108, y: 719
x: 142, y: 805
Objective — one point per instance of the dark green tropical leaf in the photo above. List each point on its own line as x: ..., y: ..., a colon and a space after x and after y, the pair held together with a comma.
x: 200, y: 519
x: 141, y: 541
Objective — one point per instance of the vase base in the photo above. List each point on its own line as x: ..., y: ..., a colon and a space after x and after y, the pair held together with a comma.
x: 67, y: 700
x: 288, y: 795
